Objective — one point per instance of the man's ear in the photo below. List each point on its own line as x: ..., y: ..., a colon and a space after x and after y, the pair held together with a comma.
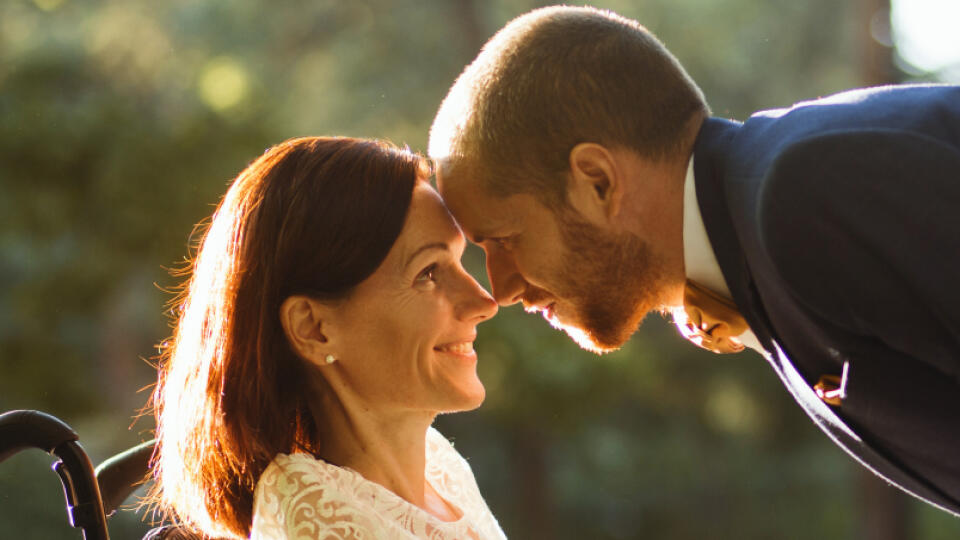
x: 596, y: 183
x: 302, y: 319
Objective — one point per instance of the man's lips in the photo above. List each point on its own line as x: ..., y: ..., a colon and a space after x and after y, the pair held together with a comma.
x: 547, y: 309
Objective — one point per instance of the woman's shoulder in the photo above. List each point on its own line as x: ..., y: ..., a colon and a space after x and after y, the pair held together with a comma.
x: 437, y: 442
x: 441, y: 450
x: 298, y: 493
x: 289, y: 473
x: 450, y: 474
x: 446, y: 469
x: 296, y: 468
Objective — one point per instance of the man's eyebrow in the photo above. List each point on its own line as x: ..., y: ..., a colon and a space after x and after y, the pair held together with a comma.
x: 425, y: 247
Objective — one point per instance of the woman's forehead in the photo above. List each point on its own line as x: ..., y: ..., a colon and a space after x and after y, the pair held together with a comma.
x: 428, y: 221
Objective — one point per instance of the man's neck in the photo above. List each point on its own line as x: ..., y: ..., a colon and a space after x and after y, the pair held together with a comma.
x: 652, y: 210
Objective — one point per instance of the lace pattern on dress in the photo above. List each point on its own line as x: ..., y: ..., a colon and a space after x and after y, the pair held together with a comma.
x: 300, y: 497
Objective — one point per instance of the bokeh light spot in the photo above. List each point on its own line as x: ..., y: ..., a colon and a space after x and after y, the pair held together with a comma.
x: 224, y: 83
x: 48, y: 5
x: 925, y: 32
x: 731, y: 409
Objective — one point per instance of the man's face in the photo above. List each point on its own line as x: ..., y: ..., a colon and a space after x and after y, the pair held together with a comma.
x: 595, y: 284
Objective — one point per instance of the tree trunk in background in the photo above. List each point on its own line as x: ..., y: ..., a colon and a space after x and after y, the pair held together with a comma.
x: 875, y: 43
x: 533, y: 500
x: 470, y: 26
x: 884, y: 512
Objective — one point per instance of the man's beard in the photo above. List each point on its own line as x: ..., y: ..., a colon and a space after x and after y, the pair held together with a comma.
x: 610, y: 280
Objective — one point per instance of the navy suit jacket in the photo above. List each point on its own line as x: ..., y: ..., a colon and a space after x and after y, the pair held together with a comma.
x: 836, y: 224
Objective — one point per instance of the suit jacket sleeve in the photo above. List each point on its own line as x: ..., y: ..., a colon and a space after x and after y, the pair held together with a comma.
x: 864, y: 229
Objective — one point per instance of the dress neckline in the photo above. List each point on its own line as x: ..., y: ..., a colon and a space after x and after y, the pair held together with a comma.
x: 433, y: 448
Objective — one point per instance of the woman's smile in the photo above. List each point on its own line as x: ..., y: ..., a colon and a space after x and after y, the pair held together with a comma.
x: 461, y: 348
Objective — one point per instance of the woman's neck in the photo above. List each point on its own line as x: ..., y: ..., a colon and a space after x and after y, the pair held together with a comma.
x: 386, y: 448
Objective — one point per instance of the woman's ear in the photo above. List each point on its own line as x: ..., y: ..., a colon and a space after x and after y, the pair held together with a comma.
x: 303, y: 318
x: 596, y: 186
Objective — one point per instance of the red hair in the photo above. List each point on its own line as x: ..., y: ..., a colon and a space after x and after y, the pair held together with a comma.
x: 313, y: 216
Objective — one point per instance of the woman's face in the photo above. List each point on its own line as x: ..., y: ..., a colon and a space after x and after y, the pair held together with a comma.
x: 404, y: 338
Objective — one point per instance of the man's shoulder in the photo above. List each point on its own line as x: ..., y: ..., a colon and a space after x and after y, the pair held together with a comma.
x: 795, y: 142
x: 873, y: 97
x: 874, y: 173
x: 931, y: 110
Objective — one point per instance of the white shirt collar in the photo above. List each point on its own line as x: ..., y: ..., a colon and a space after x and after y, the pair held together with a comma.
x: 699, y: 261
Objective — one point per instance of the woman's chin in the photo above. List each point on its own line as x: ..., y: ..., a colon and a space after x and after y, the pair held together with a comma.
x: 466, y: 397
x: 477, y: 398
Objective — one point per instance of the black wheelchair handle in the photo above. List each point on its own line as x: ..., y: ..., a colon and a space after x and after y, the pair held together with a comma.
x: 20, y: 430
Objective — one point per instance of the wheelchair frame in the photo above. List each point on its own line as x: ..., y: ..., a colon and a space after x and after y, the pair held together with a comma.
x: 92, y: 495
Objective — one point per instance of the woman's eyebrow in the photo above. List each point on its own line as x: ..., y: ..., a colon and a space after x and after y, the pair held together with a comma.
x: 434, y: 245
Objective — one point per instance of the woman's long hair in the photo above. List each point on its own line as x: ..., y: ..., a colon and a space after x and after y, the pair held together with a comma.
x: 312, y: 216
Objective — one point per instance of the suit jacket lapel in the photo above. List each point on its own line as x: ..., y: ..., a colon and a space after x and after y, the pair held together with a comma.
x: 709, y: 157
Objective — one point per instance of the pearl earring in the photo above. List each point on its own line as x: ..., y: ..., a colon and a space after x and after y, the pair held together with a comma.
x: 330, y: 359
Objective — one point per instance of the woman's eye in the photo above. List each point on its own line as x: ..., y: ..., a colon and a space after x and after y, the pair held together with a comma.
x: 427, y: 274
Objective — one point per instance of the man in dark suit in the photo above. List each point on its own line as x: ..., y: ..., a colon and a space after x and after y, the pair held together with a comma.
x: 582, y: 158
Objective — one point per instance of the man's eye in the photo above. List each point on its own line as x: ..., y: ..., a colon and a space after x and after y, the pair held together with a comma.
x: 427, y: 274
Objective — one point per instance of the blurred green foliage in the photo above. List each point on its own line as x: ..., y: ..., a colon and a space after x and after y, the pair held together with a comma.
x: 121, y: 123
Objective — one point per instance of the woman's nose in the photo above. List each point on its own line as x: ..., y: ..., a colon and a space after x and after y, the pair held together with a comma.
x: 476, y: 303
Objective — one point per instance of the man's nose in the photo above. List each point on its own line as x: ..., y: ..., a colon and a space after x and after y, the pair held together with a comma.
x: 506, y: 282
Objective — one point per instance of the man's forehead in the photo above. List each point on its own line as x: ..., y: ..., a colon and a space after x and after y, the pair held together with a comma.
x: 478, y: 212
x: 455, y: 177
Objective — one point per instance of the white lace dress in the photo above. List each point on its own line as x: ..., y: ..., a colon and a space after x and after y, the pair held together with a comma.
x: 300, y: 497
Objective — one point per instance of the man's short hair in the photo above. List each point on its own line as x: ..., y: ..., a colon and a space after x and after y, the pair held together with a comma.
x: 552, y: 79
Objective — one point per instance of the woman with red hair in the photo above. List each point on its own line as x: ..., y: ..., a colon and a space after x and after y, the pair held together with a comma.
x: 325, y: 323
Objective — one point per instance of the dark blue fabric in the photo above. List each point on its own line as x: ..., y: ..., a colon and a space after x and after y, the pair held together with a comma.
x: 836, y: 224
